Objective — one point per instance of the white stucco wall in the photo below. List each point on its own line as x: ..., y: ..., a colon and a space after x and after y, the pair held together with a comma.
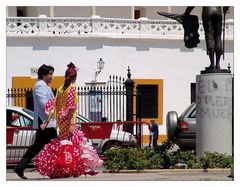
x: 114, y: 12
x: 148, y: 59
x: 12, y: 11
x: 35, y: 11
x: 72, y: 11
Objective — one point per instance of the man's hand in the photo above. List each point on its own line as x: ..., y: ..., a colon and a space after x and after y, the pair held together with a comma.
x: 71, y: 128
x: 43, y: 126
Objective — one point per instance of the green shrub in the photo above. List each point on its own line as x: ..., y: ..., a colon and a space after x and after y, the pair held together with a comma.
x: 162, y: 157
x: 216, y: 160
x: 116, y: 159
x: 164, y: 151
x: 187, y: 157
x: 136, y: 159
x: 155, y: 161
x: 132, y: 158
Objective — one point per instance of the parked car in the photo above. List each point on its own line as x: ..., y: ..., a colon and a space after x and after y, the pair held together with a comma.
x: 182, y: 129
x: 22, y: 138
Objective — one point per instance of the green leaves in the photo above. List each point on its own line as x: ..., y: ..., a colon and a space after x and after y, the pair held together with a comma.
x: 216, y: 160
x: 162, y: 157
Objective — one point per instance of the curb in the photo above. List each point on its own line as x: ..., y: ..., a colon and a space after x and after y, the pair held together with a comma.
x: 169, y: 170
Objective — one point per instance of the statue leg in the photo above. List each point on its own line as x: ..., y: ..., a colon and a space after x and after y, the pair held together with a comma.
x: 211, y: 57
x: 218, y: 38
x: 218, y: 56
x: 209, y: 38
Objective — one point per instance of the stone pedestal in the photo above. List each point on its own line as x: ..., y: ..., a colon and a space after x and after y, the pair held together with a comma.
x: 214, y: 113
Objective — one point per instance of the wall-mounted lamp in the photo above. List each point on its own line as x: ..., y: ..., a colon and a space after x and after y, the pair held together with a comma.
x: 100, y: 66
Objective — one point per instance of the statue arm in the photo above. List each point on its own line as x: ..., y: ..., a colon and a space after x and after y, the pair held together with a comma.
x: 188, y: 10
x: 225, y: 9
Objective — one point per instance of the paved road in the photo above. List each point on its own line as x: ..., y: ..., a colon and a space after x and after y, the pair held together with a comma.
x: 158, y: 175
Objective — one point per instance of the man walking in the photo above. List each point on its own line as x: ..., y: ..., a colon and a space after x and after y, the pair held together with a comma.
x: 44, y: 133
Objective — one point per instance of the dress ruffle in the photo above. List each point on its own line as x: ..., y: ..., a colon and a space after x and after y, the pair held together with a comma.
x: 85, y: 156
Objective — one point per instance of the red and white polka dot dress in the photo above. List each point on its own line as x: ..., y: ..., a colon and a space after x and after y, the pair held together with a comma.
x: 86, y: 156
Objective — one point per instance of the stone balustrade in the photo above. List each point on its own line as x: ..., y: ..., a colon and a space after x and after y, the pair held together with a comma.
x: 100, y: 27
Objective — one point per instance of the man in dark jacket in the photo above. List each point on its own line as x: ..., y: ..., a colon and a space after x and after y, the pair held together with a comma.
x: 155, y: 132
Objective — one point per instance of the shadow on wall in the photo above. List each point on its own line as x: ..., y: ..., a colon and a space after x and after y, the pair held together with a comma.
x: 99, y: 43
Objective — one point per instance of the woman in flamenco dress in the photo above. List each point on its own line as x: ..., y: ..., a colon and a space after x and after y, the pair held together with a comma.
x: 64, y: 107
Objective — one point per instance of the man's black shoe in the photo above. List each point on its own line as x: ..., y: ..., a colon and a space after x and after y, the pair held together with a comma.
x: 19, y: 172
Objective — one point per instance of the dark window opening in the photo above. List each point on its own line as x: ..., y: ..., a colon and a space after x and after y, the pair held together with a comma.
x: 21, y: 12
x: 193, y: 92
x: 148, y: 101
x: 137, y: 14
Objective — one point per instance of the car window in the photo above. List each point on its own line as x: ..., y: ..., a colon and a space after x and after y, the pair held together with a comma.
x: 187, y: 109
x: 193, y: 114
x: 16, y: 119
x: 81, y: 119
x: 29, y: 112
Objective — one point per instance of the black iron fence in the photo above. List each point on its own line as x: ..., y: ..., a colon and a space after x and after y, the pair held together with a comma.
x: 94, y: 102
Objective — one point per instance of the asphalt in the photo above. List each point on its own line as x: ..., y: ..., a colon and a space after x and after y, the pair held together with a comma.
x: 133, y: 175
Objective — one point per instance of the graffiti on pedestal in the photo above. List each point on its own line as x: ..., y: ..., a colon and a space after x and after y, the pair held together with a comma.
x: 216, y: 103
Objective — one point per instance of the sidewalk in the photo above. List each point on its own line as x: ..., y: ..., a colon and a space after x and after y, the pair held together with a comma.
x: 145, y: 175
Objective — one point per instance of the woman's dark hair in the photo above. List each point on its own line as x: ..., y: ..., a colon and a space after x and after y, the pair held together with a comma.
x: 44, y: 70
x: 70, y: 75
x: 71, y: 72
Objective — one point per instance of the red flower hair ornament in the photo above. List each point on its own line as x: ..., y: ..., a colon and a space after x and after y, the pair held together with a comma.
x: 71, y: 71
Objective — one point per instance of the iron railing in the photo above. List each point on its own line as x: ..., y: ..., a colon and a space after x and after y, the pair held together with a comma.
x: 94, y: 102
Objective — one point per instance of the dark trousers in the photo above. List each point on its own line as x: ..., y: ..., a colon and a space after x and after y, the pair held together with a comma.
x: 154, y: 142
x: 42, y: 137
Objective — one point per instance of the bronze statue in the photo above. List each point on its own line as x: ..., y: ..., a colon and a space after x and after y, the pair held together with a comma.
x: 212, y: 24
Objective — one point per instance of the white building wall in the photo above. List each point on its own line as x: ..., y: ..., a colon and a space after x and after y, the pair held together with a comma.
x: 42, y: 10
x: 33, y: 11
x: 72, y: 11
x: 12, y: 11
x: 151, y: 12
x: 114, y: 12
x: 148, y: 59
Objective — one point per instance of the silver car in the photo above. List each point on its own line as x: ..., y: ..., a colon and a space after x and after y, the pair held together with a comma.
x: 182, y: 129
x: 20, y: 134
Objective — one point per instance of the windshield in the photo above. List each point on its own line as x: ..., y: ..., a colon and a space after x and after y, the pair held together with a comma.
x: 81, y: 119
x: 29, y: 112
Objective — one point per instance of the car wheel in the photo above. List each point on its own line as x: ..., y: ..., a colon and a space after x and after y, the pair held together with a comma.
x: 172, y: 121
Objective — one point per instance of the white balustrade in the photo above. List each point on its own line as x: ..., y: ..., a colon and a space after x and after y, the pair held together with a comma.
x: 101, y: 27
